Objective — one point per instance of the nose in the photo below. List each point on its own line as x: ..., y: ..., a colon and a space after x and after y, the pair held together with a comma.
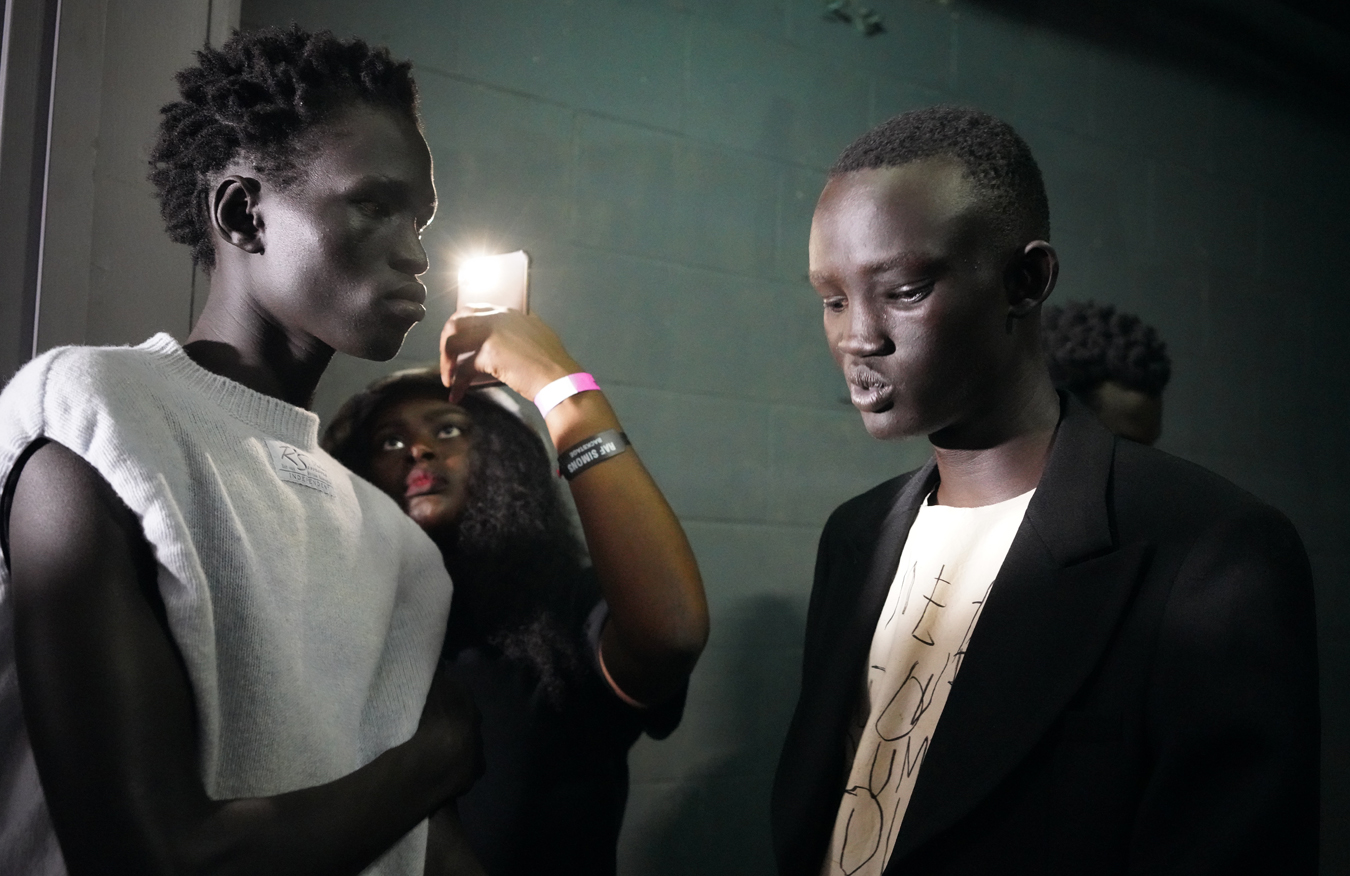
x: 409, y: 256
x: 864, y: 332
x: 420, y: 451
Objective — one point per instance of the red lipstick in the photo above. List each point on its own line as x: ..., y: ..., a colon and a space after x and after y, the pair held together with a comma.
x: 420, y: 482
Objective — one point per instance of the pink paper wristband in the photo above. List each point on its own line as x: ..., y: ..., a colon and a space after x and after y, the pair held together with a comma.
x: 563, y: 388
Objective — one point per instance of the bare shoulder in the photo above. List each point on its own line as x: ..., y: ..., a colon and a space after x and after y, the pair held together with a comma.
x: 64, y: 517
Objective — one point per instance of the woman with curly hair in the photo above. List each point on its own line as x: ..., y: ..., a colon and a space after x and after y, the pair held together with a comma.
x: 218, y: 648
x: 1113, y: 362
x: 568, y: 663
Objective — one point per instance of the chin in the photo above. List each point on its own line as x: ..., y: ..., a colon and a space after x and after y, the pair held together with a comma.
x: 376, y: 348
x: 434, y: 511
x: 431, y: 520
x: 890, y: 425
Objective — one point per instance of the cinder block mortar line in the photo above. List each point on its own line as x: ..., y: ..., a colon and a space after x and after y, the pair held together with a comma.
x: 612, y: 117
x: 658, y: 261
x: 1127, y: 150
x: 723, y: 396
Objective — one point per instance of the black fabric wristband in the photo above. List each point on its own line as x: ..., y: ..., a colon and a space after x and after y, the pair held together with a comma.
x: 597, y: 448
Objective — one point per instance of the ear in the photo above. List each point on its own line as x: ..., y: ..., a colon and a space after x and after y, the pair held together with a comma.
x: 235, y: 214
x: 1030, y: 278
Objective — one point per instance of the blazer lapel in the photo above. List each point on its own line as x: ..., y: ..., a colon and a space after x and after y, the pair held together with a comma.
x: 810, y: 779
x: 848, y: 669
x: 1050, y: 614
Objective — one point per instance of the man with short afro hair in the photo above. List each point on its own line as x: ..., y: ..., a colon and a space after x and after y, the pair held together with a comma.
x: 1048, y: 649
x: 996, y: 160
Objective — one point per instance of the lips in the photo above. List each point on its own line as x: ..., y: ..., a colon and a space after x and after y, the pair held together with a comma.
x: 414, y: 292
x: 869, y: 391
x: 421, y: 482
x: 408, y: 301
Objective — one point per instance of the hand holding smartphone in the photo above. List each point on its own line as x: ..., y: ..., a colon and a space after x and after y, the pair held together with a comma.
x: 495, y: 281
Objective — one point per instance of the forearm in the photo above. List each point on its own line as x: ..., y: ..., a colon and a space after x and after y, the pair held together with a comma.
x: 647, y: 572
x: 110, y: 715
x: 132, y: 801
x: 336, y: 828
x: 344, y: 825
x: 448, y: 849
x: 658, y: 619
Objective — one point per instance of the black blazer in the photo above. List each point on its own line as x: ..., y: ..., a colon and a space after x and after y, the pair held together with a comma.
x: 1139, y: 696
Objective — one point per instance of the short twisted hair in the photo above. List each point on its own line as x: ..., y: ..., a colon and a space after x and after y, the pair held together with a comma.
x: 997, y: 161
x: 1088, y: 344
x: 257, y: 96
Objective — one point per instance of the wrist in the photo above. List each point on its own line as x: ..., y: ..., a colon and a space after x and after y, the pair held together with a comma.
x: 547, y: 373
x: 579, y: 417
x: 447, y: 758
x: 565, y: 387
x: 603, y: 445
x: 423, y: 766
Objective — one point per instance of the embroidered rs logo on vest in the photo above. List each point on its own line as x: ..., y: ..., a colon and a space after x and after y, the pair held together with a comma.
x: 295, y: 466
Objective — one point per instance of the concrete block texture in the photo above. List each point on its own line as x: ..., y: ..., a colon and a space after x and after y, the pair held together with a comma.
x: 672, y: 197
x: 707, y: 453
x: 753, y: 93
x: 497, y: 159
x: 661, y: 160
x: 426, y: 31
x: 918, y: 45
x: 634, y: 56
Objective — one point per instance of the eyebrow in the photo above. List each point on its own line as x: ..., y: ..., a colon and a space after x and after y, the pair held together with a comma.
x: 446, y: 410
x: 907, y: 260
x: 401, y: 188
x: 451, y: 409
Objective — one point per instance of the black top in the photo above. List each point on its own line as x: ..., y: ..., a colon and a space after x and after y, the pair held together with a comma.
x: 552, y: 797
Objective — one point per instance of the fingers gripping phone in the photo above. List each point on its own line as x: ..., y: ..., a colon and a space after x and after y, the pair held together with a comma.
x: 499, y: 281
x: 496, y: 281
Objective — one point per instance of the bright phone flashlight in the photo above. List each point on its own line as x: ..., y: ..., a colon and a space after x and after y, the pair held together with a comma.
x: 495, y: 281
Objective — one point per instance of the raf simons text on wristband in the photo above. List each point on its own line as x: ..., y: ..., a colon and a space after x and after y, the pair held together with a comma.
x: 597, y: 448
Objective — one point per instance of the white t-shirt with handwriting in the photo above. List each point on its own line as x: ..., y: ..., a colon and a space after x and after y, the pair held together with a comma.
x: 946, y: 570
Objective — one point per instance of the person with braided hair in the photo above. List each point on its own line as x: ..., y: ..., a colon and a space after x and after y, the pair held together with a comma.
x: 218, y: 647
x: 1113, y: 362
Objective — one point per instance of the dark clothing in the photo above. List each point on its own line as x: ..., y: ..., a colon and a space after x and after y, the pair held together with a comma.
x: 1140, y: 695
x: 552, y: 796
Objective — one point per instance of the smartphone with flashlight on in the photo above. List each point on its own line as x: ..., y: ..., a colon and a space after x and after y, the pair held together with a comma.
x: 499, y: 281
x: 496, y: 281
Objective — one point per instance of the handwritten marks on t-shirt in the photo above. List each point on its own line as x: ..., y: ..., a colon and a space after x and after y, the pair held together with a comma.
x: 946, y: 572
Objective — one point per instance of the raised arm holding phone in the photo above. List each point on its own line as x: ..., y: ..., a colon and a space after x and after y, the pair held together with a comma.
x: 659, y: 619
x: 569, y: 663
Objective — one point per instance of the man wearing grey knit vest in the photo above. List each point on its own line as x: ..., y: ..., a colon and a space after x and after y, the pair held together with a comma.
x: 217, y: 646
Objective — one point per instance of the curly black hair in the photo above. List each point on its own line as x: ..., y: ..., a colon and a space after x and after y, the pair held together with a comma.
x: 514, y: 544
x: 997, y: 161
x: 257, y: 96
x: 1088, y: 344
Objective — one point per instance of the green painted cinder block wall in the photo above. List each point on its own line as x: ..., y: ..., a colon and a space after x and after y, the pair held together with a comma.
x: 660, y: 159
